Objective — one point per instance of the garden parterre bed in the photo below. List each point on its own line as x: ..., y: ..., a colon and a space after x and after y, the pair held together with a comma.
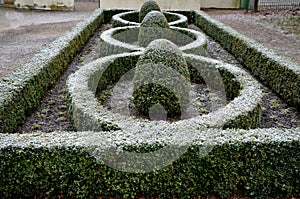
x: 245, y: 163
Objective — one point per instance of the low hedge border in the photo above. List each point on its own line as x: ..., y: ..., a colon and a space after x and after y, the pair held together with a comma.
x: 244, y: 111
x: 256, y: 163
x: 109, y: 45
x: 22, y: 90
x: 273, y: 70
x: 131, y: 19
x: 253, y: 163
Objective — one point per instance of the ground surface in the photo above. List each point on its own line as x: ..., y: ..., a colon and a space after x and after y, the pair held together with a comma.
x: 276, y: 29
x: 24, y: 33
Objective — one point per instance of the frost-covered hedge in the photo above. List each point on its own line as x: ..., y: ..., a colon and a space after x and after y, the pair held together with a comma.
x: 154, y: 26
x: 148, y: 6
x: 275, y: 71
x: 161, y: 77
x: 125, y: 39
x: 260, y: 163
x: 130, y: 18
x: 88, y: 114
x: 22, y: 90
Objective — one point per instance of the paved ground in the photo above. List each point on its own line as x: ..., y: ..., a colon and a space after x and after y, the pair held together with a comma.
x: 24, y: 33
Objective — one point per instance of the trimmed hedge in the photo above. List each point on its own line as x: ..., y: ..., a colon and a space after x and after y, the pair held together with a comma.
x: 153, y: 26
x: 22, y: 90
x: 148, y: 6
x: 131, y: 19
x: 273, y: 70
x: 251, y: 163
x: 161, y: 77
x: 124, y: 39
x: 88, y: 114
x: 260, y: 163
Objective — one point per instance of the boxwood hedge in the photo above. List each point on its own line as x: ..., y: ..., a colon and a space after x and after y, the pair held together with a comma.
x: 130, y: 18
x: 244, y: 111
x: 124, y: 39
x: 275, y: 71
x: 257, y: 163
x: 148, y: 6
x: 22, y: 90
x: 152, y: 27
x: 161, y: 77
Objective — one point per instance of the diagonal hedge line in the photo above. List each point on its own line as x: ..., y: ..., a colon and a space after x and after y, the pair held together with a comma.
x: 254, y: 163
x: 273, y: 70
x: 22, y: 90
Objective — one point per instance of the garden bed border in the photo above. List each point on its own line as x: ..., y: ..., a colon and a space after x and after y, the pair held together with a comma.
x: 256, y: 163
x: 253, y: 163
x: 244, y: 111
x: 118, y: 21
x: 22, y: 90
x: 275, y: 71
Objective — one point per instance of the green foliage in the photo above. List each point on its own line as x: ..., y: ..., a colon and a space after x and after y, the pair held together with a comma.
x: 148, y: 6
x: 131, y: 18
x: 154, y: 26
x: 161, y: 77
x: 273, y: 70
x: 22, y: 90
x: 85, y: 109
x: 257, y: 164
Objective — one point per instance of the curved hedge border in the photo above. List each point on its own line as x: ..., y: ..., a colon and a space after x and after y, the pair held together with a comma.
x: 244, y: 111
x: 109, y: 45
x: 260, y: 163
x: 22, y: 90
x: 253, y: 163
x: 275, y: 71
x: 131, y: 19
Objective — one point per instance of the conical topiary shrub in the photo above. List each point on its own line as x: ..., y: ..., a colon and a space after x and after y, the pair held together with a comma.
x: 147, y: 7
x: 161, y: 77
x: 154, y: 26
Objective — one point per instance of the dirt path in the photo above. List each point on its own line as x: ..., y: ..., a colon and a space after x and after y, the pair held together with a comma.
x: 278, y: 30
x: 24, y: 33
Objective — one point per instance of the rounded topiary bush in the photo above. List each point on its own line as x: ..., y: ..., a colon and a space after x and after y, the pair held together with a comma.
x: 154, y: 26
x: 161, y: 77
x: 147, y: 7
